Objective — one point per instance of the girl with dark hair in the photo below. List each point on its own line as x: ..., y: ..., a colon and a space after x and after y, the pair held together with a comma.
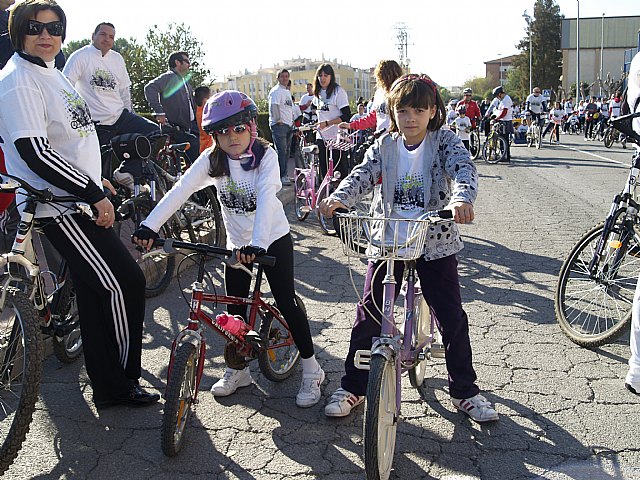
x: 417, y: 153
x: 245, y: 171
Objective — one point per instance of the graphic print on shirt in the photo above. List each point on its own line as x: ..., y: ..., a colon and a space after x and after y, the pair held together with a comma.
x: 78, y: 113
x: 238, y: 197
x: 409, y: 193
x: 103, y: 80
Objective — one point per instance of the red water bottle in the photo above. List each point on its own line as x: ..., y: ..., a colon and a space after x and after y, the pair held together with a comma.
x: 234, y: 324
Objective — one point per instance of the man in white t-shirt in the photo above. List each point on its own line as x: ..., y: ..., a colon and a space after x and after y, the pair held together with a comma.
x: 306, y: 105
x: 281, y: 121
x: 504, y: 114
x: 100, y: 75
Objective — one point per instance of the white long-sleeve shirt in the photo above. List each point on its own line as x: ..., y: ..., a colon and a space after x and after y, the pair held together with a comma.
x: 251, y: 211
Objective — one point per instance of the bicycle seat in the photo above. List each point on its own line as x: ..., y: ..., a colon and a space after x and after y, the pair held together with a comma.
x: 310, y: 149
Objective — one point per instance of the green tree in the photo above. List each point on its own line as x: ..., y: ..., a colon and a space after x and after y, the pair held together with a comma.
x: 148, y: 60
x: 481, y: 87
x: 545, y: 30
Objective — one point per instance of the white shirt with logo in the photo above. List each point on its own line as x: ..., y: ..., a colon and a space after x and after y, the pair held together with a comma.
x: 102, y: 81
x: 280, y: 96
x: 330, y: 109
x: 535, y: 103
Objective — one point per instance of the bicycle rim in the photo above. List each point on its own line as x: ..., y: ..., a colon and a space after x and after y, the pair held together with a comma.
x: 380, y: 418
x: 21, y: 355
x: 179, y: 397
x: 280, y: 355
x: 474, y: 145
x: 594, y: 311
x: 421, y: 332
x: 68, y: 348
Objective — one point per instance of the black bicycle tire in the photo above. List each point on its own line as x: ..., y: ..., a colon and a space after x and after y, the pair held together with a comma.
x: 378, y: 367
x: 32, y: 371
x: 219, y: 238
x: 60, y: 346
x: 263, y: 354
x: 299, y: 201
x: 422, y: 319
x: 474, y: 152
x: 489, y: 158
x: 609, y: 137
x: 560, y: 297
x: 170, y: 438
x: 326, y: 224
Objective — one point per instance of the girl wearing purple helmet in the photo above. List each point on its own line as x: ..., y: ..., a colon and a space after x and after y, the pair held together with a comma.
x: 245, y: 172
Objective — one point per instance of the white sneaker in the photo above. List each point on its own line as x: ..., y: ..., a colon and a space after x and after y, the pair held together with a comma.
x: 478, y: 408
x: 231, y: 381
x: 341, y: 403
x: 309, y: 393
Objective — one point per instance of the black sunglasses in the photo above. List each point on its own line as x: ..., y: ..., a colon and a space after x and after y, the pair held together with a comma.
x: 55, y: 29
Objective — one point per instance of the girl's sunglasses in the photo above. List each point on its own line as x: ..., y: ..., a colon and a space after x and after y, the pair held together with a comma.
x: 227, y: 130
x: 55, y: 29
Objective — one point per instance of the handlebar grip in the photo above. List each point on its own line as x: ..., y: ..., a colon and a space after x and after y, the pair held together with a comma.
x: 266, y: 260
x: 336, y: 222
x: 445, y: 213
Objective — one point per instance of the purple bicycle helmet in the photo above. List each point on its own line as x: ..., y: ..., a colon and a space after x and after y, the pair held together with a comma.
x: 228, y: 108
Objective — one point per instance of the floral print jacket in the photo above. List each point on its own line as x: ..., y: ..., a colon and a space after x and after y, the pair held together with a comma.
x: 449, y: 176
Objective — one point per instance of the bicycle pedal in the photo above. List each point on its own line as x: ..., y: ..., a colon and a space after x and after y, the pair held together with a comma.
x: 362, y: 359
x: 437, y: 350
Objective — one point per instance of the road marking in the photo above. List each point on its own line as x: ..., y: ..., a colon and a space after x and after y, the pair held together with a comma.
x: 592, y: 154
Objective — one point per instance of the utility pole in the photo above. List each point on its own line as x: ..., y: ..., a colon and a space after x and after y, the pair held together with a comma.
x: 403, y: 41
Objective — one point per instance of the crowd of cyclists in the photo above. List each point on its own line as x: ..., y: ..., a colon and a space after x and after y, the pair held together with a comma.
x: 47, y: 142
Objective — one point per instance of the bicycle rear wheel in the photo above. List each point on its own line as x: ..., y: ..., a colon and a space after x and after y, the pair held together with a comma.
x: 380, y: 418
x: 156, y: 265
x: 595, y: 311
x: 21, y: 355
x: 280, y: 355
x: 179, y: 396
x: 420, y: 334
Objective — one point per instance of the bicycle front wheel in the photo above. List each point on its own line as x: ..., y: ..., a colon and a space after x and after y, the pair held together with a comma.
x: 179, y: 396
x: 380, y: 418
x: 420, y: 334
x: 474, y: 144
x: 156, y: 265
x: 609, y: 137
x: 325, y: 222
x: 595, y: 309
x: 494, y: 149
x: 303, y: 197
x: 21, y: 355
x: 279, y: 356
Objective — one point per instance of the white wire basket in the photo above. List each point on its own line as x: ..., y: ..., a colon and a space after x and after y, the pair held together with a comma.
x: 365, y: 236
x: 343, y: 141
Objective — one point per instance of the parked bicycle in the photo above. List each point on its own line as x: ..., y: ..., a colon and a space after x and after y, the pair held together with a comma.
x: 268, y: 339
x: 612, y: 136
x: 404, y: 344
x: 597, y: 281
x: 307, y: 194
x: 28, y: 309
x: 494, y: 148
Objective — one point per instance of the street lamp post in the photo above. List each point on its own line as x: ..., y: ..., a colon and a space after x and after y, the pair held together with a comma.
x: 500, y: 71
x: 601, y: 51
x: 528, y: 19
x: 578, y: 54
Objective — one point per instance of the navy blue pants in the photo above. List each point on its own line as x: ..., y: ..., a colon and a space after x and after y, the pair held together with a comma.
x: 441, y: 290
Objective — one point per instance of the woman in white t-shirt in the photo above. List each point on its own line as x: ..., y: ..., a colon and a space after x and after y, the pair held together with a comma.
x: 245, y: 171
x: 51, y: 142
x: 332, y: 106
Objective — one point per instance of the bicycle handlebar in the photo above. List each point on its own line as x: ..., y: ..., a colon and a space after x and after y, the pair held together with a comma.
x: 170, y: 245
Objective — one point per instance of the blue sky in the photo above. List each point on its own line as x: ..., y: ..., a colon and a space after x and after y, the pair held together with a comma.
x: 448, y: 40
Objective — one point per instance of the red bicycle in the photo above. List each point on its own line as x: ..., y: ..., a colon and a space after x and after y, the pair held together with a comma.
x: 269, y: 340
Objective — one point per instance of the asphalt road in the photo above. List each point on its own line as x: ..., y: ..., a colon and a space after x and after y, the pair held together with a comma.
x: 564, y: 413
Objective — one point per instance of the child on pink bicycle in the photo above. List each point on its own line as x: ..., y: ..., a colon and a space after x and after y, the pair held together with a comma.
x: 244, y: 169
x: 423, y: 167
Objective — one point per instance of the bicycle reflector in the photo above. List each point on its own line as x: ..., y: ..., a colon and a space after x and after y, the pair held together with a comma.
x: 615, y: 244
x: 131, y: 145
